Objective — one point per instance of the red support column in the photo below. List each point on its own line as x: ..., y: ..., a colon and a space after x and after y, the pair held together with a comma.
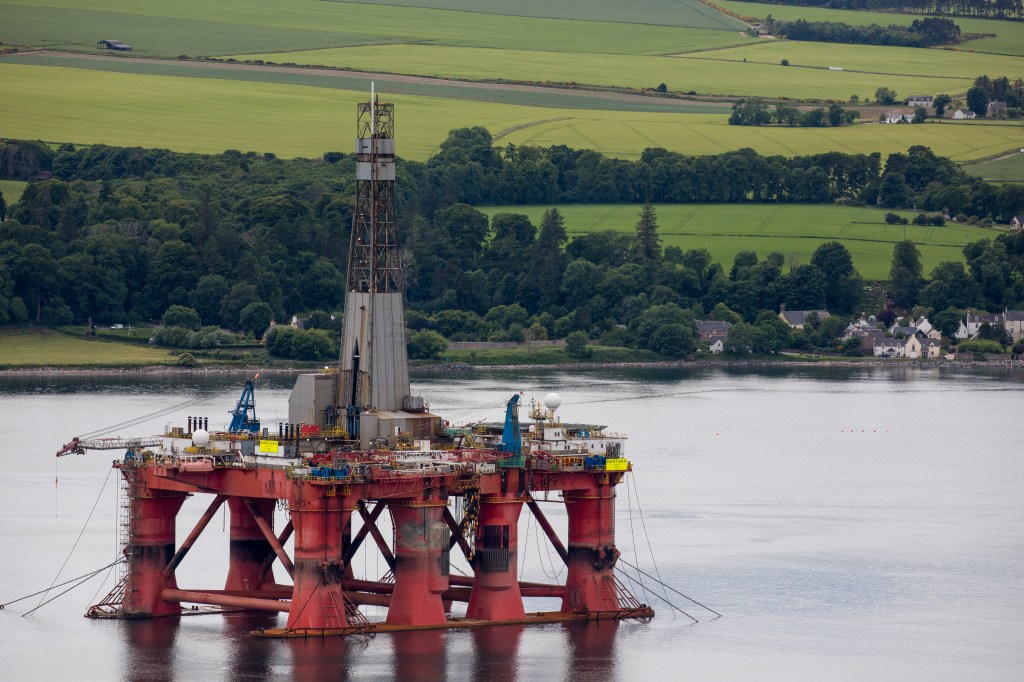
x: 151, y: 546
x: 247, y: 569
x: 590, y: 583
x: 421, y: 563
x: 318, y: 600
x: 496, y: 594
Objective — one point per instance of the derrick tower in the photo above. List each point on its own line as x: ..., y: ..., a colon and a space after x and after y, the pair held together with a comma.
x: 370, y: 398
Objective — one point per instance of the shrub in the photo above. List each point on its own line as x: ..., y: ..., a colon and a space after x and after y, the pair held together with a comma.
x: 784, y: 62
x: 576, y: 346
x: 426, y: 345
x: 979, y: 346
x: 181, y: 316
x: 186, y: 360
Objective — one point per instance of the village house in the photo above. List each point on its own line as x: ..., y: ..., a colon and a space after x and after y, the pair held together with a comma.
x: 709, y: 328
x: 716, y: 343
x: 972, y: 324
x: 898, y: 117
x: 960, y: 114
x: 919, y: 101
x: 1017, y: 222
x: 913, y: 347
x: 798, y: 318
x: 996, y: 106
x: 1013, y: 321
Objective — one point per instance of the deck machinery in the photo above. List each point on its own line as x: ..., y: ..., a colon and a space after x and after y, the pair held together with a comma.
x: 358, y: 444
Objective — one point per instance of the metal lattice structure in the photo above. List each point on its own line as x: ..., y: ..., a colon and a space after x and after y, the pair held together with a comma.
x: 373, y: 265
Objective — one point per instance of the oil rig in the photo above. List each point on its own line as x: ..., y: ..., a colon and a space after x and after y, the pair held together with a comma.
x: 357, y: 445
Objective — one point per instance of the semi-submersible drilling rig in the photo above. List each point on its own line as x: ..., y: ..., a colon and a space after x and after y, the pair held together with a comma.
x: 357, y: 444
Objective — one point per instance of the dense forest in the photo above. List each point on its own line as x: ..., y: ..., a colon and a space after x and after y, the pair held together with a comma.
x: 234, y: 240
x: 989, y: 9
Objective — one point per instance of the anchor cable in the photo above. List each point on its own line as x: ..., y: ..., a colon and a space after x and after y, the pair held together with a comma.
x: 78, y: 539
x: 66, y: 582
x: 668, y: 587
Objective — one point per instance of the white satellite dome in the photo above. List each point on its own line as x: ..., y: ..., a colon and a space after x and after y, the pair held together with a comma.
x: 552, y: 401
x: 200, y: 438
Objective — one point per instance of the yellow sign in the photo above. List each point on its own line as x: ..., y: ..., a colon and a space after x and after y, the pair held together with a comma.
x: 268, y: 447
x: 616, y: 465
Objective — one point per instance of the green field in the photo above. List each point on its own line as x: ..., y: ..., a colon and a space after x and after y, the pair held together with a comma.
x: 793, y: 230
x: 85, y: 106
x: 1004, y: 169
x: 42, y: 346
x: 721, y: 76
x: 1009, y: 34
x: 663, y: 12
x: 202, y: 27
x: 12, y: 190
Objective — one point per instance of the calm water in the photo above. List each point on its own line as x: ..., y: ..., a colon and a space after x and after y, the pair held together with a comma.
x: 849, y: 524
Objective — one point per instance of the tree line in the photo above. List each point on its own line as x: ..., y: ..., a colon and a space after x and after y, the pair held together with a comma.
x: 756, y: 112
x: 921, y: 33
x: 988, y: 9
x: 235, y: 240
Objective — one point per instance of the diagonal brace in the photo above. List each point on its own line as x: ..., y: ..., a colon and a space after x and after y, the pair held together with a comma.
x: 194, y: 535
x: 457, y: 537
x: 382, y: 545
x: 548, y: 530
x: 268, y: 533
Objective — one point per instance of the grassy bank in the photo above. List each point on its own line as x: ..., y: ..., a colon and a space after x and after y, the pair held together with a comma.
x: 46, y: 347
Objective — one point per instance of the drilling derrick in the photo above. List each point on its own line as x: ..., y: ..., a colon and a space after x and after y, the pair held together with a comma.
x: 370, y: 400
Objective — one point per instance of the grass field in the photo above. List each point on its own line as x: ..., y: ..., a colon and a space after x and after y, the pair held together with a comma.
x: 202, y: 27
x: 1004, y: 169
x: 663, y: 12
x: 12, y: 190
x: 719, y: 75
x: 1009, y: 34
x: 42, y: 346
x: 84, y: 106
x: 791, y: 229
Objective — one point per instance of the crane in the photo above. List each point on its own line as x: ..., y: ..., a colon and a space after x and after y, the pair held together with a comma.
x: 241, y: 421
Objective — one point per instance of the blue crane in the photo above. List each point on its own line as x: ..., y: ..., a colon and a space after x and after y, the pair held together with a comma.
x: 511, y: 436
x: 241, y: 420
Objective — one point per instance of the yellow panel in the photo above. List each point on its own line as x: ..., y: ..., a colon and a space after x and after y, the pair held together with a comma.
x: 616, y: 465
x: 268, y: 446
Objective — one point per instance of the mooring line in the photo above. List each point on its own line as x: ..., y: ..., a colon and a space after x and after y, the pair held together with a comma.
x: 86, y: 575
x: 668, y: 587
x: 78, y: 539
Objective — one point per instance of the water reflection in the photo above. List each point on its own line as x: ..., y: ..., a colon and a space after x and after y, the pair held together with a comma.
x: 591, y: 651
x: 250, y: 657
x: 496, y: 653
x: 149, y: 654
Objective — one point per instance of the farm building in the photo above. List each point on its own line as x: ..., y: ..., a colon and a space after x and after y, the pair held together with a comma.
x: 919, y: 101
x: 960, y: 114
x: 113, y: 45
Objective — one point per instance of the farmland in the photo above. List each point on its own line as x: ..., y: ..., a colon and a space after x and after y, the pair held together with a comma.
x: 161, y: 112
x: 719, y: 74
x: 1009, y: 35
x: 197, y: 28
x: 1003, y: 169
x: 793, y: 230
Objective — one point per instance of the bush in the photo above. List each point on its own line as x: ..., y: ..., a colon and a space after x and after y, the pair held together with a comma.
x: 784, y: 62
x: 577, y: 346
x: 426, y: 345
x: 892, y: 218
x: 979, y: 346
x: 181, y: 316
x: 186, y: 360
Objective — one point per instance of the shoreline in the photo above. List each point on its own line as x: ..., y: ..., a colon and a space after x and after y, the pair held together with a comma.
x: 464, y: 368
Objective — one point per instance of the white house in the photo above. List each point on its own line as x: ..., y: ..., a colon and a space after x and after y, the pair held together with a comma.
x: 1017, y: 222
x: 919, y: 101
x: 960, y: 114
x: 717, y: 343
x: 969, y: 328
x: 898, y: 117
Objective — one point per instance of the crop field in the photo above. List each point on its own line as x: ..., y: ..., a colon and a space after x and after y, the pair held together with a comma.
x: 793, y: 230
x: 198, y: 27
x: 720, y: 74
x: 34, y: 347
x: 873, y: 60
x: 85, y: 106
x: 12, y: 190
x: 1004, y: 169
x: 664, y: 12
x: 1009, y: 34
